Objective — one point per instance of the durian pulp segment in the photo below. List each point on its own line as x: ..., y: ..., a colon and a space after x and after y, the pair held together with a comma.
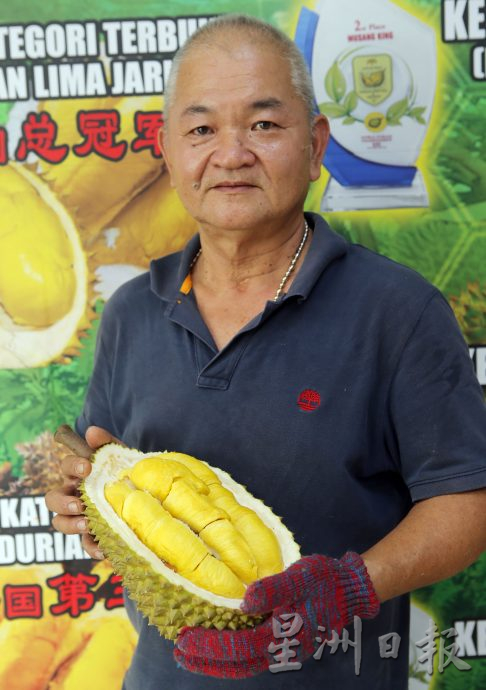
x: 156, y: 475
x: 37, y: 282
x: 198, y: 467
x: 169, y: 538
x: 43, y: 273
x: 264, y: 544
x: 223, y: 538
x: 163, y: 526
x: 172, y: 540
x: 215, y: 575
x: 116, y: 493
x: 195, y: 509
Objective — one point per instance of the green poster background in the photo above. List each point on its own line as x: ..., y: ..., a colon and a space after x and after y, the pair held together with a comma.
x: 446, y: 242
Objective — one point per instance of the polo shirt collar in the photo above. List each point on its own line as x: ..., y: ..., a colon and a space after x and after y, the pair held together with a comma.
x: 169, y: 280
x: 326, y: 246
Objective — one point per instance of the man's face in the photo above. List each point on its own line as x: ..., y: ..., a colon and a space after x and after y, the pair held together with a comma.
x: 238, y: 143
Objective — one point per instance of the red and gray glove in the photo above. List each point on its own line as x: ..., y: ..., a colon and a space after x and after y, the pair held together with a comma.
x: 323, y: 591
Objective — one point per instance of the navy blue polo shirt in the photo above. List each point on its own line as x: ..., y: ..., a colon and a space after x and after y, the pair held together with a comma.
x: 339, y: 405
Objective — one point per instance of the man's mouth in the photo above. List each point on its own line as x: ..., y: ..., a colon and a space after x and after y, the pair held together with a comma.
x: 233, y: 186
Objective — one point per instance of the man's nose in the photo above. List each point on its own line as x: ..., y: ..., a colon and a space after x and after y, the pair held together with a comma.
x: 232, y: 150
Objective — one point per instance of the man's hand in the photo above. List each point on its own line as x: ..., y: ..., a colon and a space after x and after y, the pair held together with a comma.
x: 66, y: 502
x: 323, y: 591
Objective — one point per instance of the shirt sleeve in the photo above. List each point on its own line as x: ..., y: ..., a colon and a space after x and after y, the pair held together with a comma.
x: 97, y: 404
x: 437, y: 408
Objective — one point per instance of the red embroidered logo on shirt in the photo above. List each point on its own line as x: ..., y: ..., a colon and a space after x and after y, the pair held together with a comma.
x: 309, y: 400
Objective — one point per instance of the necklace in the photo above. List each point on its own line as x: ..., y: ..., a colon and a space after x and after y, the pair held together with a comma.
x: 288, y: 272
x: 295, y: 258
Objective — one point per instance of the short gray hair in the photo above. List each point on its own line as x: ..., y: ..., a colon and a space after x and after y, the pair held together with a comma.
x: 256, y: 29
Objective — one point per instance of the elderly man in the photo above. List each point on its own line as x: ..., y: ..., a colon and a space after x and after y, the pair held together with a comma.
x: 331, y: 381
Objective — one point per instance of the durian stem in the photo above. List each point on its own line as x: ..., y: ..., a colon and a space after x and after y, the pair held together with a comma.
x: 69, y: 438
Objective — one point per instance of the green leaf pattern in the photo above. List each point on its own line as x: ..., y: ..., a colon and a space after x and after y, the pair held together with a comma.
x: 335, y: 83
x: 342, y: 104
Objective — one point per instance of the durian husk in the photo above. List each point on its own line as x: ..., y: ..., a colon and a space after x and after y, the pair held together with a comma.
x: 41, y: 469
x: 42, y: 463
x: 167, y: 599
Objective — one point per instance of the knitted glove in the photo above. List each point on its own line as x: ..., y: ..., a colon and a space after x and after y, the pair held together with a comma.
x: 323, y: 591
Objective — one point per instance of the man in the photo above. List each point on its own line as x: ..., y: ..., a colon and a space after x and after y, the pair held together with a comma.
x: 333, y: 382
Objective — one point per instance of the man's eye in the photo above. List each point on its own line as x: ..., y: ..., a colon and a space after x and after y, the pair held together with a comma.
x: 263, y: 125
x: 201, y: 130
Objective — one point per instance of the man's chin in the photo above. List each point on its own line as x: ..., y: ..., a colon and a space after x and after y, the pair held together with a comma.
x: 235, y: 218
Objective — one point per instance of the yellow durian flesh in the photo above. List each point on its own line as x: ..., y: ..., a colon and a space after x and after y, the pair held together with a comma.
x: 101, y: 660
x: 137, y: 234
x: 245, y: 545
x: 197, y: 467
x: 223, y: 538
x: 263, y: 542
x: 37, y: 282
x: 261, y: 539
x: 172, y: 597
x: 195, y: 509
x: 167, y: 537
x: 157, y: 475
x: 116, y: 493
x: 44, y: 277
x: 223, y: 581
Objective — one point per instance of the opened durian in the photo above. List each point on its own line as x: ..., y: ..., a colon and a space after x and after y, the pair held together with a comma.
x: 43, y: 272
x: 185, y: 537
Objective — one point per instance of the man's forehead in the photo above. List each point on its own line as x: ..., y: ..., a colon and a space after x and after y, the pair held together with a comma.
x: 257, y: 75
x: 228, y: 58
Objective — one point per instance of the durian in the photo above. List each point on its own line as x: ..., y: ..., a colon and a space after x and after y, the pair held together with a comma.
x: 43, y: 272
x: 41, y: 468
x: 185, y: 537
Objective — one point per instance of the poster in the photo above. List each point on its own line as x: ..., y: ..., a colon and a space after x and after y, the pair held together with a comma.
x: 81, y: 101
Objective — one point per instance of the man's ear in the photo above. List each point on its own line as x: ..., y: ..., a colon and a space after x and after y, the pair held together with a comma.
x: 163, y: 147
x: 319, y: 140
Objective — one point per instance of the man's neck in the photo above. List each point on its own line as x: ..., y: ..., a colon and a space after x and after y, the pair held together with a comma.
x: 245, y: 265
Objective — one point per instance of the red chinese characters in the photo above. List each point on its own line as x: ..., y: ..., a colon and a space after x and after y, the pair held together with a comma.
x: 99, y: 129
x: 74, y: 593
x: 23, y: 601
x: 3, y: 146
x: 39, y: 132
x: 147, y: 126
